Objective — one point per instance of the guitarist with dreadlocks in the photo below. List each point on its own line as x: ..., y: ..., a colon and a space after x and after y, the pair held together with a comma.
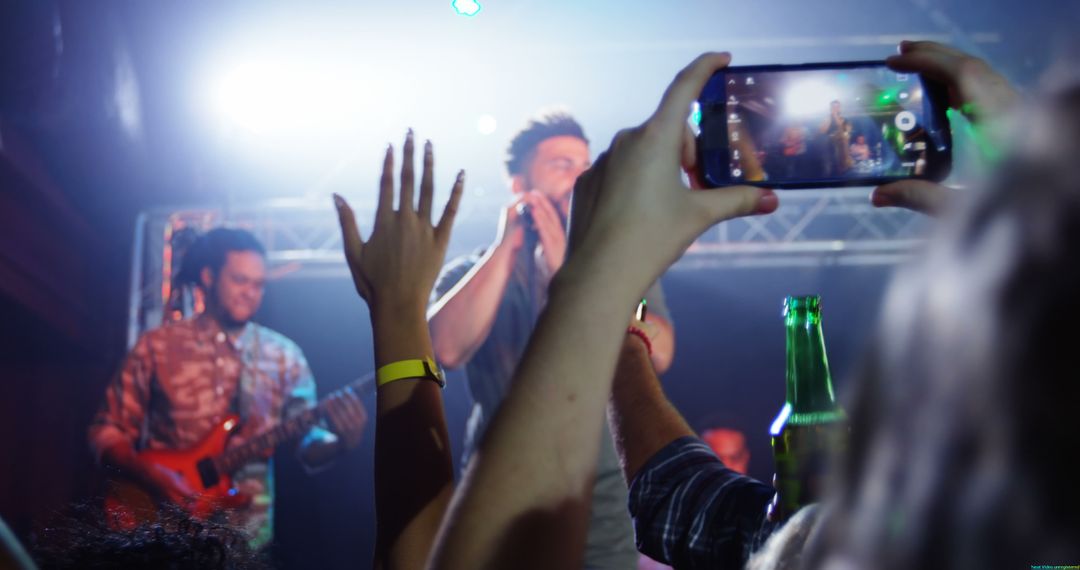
x: 199, y: 404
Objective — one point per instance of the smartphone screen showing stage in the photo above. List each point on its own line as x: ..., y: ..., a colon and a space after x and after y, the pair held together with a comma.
x: 802, y: 126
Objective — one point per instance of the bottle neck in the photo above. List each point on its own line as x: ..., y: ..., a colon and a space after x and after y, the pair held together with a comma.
x: 809, y: 384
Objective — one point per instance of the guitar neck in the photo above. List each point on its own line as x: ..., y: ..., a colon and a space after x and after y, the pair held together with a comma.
x: 286, y: 431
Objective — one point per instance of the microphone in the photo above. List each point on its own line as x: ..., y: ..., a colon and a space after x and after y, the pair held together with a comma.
x: 532, y: 239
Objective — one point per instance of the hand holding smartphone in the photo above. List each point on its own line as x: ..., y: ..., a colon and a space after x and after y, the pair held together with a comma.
x: 821, y: 125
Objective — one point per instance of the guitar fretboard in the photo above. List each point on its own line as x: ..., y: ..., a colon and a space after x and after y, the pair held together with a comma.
x: 289, y: 430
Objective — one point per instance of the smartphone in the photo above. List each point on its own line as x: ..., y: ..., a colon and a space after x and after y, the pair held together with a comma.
x: 821, y: 125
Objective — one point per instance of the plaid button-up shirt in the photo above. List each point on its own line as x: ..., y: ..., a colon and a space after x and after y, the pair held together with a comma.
x: 690, y: 511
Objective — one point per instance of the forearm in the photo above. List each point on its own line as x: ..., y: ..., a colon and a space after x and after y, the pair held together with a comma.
x: 663, y: 345
x: 642, y: 419
x: 462, y: 319
x: 529, y: 496
x: 413, y: 466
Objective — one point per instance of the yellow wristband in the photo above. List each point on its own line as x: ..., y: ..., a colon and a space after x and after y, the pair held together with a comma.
x: 402, y: 369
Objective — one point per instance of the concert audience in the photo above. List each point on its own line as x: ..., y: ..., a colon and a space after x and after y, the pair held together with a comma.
x: 523, y: 502
x: 959, y: 421
x: 669, y: 470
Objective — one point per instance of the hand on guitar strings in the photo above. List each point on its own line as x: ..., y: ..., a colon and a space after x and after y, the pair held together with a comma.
x: 347, y: 417
x: 171, y: 486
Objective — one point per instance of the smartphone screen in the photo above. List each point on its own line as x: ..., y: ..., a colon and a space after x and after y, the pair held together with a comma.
x: 820, y: 125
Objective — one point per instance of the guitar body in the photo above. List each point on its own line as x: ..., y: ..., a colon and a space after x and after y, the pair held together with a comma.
x: 129, y: 504
x: 205, y: 467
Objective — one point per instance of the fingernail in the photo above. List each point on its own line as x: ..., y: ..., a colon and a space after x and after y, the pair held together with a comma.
x: 427, y: 146
x: 409, y: 134
x: 339, y: 201
x: 768, y: 201
x: 461, y: 175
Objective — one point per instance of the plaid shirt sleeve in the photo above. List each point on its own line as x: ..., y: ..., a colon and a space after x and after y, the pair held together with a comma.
x: 690, y: 511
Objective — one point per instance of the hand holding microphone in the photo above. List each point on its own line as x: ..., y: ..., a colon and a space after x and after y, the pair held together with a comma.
x: 543, y: 224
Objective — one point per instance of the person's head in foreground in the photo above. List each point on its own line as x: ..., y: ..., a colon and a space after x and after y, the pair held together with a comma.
x: 963, y: 421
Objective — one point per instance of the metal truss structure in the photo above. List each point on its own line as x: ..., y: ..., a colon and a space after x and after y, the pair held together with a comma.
x: 811, y: 229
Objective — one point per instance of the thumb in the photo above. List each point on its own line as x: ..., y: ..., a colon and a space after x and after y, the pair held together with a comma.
x: 733, y: 202
x: 917, y: 195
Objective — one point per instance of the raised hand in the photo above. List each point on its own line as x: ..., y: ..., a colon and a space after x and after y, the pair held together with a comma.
x: 397, y: 266
x: 632, y: 215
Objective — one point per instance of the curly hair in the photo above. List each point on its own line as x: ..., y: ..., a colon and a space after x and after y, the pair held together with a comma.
x: 537, y: 130
x: 210, y: 250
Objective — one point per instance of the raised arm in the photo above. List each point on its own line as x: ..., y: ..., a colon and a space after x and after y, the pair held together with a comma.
x: 689, y: 509
x: 525, y: 498
x: 394, y: 272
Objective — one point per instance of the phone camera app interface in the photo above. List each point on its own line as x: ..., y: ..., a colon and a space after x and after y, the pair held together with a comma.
x: 809, y: 125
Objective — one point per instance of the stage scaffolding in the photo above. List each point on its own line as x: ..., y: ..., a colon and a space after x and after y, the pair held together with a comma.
x: 812, y: 228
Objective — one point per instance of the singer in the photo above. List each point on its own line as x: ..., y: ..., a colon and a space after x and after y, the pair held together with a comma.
x: 485, y: 305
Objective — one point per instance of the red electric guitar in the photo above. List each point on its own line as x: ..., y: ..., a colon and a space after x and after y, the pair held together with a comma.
x: 207, y: 467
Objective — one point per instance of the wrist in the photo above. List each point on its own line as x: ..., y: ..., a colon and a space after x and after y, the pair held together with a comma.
x: 400, y: 335
x: 506, y: 247
x: 393, y: 308
x: 609, y: 284
x: 637, y: 341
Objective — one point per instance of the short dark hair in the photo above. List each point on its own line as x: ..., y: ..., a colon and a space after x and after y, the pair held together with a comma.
x: 537, y: 130
x: 210, y: 250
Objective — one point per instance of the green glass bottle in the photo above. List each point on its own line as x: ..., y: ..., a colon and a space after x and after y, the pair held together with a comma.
x: 811, y: 428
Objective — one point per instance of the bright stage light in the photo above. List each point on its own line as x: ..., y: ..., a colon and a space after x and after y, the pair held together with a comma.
x: 486, y: 125
x: 466, y: 7
x: 282, y: 97
x: 810, y: 98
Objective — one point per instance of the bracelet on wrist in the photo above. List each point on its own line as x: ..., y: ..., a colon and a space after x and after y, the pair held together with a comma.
x: 640, y: 334
x: 403, y: 369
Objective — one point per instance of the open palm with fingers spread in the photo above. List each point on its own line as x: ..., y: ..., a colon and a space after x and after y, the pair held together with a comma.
x: 397, y: 266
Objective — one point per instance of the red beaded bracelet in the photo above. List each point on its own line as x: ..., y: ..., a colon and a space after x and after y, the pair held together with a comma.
x: 640, y: 334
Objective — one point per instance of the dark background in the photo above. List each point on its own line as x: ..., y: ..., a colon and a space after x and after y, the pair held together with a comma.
x: 100, y: 119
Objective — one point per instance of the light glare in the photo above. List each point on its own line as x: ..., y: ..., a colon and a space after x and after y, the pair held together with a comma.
x: 486, y: 125
x: 809, y: 98
x: 270, y: 97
